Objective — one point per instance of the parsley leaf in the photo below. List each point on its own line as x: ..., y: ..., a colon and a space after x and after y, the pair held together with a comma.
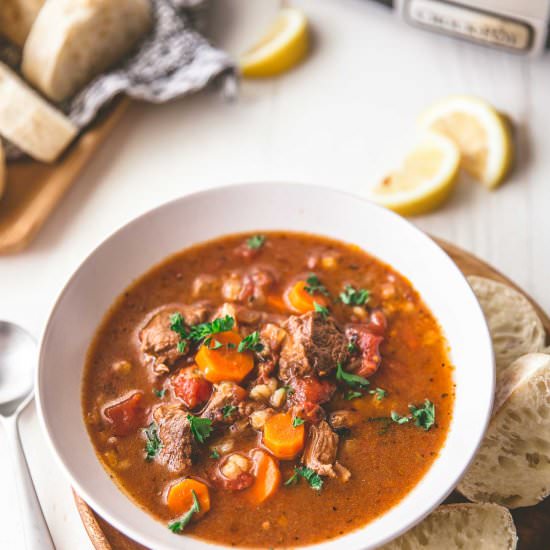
x: 379, y: 392
x: 251, y: 342
x: 321, y: 309
x: 177, y: 324
x: 216, y: 345
x: 354, y: 297
x: 255, y: 242
x: 398, y: 419
x: 179, y: 525
x: 228, y: 410
x: 313, y: 285
x: 297, y: 421
x: 182, y: 346
x: 201, y: 428
x: 351, y: 379
x: 424, y: 417
x: 159, y: 393
x: 352, y: 346
x: 315, y: 481
x: 214, y: 454
x: 154, y: 444
x: 353, y: 395
x: 204, y: 330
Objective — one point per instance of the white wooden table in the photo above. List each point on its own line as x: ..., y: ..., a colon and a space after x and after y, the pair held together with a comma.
x: 340, y: 120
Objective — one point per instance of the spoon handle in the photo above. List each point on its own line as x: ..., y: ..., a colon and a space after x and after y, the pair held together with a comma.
x: 35, y: 529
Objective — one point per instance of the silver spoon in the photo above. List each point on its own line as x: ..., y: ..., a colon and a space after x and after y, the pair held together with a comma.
x: 17, y: 363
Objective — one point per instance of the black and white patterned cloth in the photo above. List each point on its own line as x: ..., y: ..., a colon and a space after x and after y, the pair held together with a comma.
x: 173, y: 60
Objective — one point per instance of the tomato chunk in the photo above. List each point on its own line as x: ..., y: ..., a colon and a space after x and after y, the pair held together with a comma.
x: 127, y: 415
x: 191, y: 387
x: 308, y: 394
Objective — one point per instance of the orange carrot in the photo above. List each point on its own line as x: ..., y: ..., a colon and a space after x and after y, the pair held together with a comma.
x: 225, y: 362
x: 180, y: 496
x: 276, y: 302
x: 267, y: 477
x: 282, y: 438
x: 301, y: 300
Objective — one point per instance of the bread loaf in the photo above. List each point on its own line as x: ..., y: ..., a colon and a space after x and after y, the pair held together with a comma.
x: 73, y: 41
x: 17, y: 17
x: 29, y: 121
x: 461, y: 527
x: 512, y: 466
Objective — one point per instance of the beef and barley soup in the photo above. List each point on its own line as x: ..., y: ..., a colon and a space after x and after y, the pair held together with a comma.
x: 249, y: 386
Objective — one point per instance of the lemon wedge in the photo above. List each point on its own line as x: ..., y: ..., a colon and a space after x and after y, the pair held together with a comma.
x: 426, y: 178
x: 284, y: 46
x: 479, y: 131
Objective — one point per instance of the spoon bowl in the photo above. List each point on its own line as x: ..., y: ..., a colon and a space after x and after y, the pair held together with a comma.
x: 17, y: 365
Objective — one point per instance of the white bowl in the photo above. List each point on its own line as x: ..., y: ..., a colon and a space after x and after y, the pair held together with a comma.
x: 138, y: 246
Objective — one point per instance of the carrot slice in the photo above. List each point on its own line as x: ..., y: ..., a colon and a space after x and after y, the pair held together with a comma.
x: 224, y: 363
x: 180, y: 496
x: 276, y: 302
x: 301, y: 300
x: 267, y: 477
x: 282, y: 438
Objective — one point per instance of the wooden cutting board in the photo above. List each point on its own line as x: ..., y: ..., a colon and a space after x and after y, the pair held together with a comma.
x: 34, y: 189
x: 533, y: 524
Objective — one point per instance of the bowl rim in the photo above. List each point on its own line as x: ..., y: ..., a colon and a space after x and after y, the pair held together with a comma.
x: 135, y: 535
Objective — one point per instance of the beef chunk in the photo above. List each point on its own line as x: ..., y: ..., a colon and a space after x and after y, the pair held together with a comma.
x: 225, y: 396
x: 344, y: 419
x: 320, y: 450
x: 158, y: 342
x: 175, y: 435
x: 314, y: 346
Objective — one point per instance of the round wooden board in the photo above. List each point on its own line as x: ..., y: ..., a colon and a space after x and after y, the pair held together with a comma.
x: 533, y: 524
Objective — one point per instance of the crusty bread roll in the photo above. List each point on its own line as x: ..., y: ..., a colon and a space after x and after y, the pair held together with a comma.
x: 513, y: 322
x: 73, y: 41
x: 512, y: 466
x: 29, y: 121
x: 461, y: 527
x: 2, y: 170
x: 17, y: 17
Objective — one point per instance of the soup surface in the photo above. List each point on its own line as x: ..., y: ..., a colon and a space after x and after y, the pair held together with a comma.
x: 249, y: 386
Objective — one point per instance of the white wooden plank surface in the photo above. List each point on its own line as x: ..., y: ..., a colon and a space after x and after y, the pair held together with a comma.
x: 342, y: 119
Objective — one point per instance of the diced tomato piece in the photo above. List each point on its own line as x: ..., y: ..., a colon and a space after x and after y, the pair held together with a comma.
x: 126, y: 416
x: 191, y: 387
x: 368, y: 344
x: 311, y: 390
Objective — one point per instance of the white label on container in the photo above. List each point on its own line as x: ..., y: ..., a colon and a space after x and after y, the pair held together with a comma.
x: 470, y: 24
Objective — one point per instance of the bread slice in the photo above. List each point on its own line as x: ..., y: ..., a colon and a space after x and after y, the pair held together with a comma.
x: 29, y: 121
x: 513, y: 322
x: 73, y: 41
x: 512, y: 466
x: 461, y: 527
x: 2, y: 170
x: 17, y: 17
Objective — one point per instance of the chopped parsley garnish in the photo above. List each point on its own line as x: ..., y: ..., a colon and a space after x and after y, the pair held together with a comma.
x: 255, y: 242
x: 288, y: 389
x: 315, y: 481
x: 228, y: 410
x: 297, y: 421
x: 200, y: 332
x: 231, y: 345
x: 179, y: 525
x: 354, y: 297
x: 424, y: 417
x: 160, y: 393
x: 251, y: 342
x: 201, y: 428
x: 351, y: 379
x: 214, y: 454
x: 379, y: 392
x: 314, y: 286
x: 352, y: 395
x: 321, y: 309
x: 352, y: 346
x: 398, y: 419
x: 154, y: 444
